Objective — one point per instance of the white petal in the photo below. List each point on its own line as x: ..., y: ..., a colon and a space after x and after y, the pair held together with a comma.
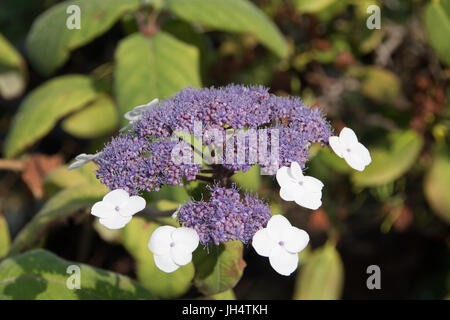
x: 295, y: 240
x: 290, y: 191
x: 363, y: 153
x: 175, y: 214
x: 102, y: 209
x: 296, y: 171
x: 153, y: 103
x: 181, y: 254
x: 312, y: 184
x: 262, y: 243
x: 283, y: 261
x: 310, y: 200
x: 115, y: 221
x: 85, y: 157
x: 132, y: 115
x: 347, y: 137
x: 283, y: 176
x: 354, y: 161
x: 336, y: 146
x: 276, y: 227
x: 132, y: 206
x: 117, y: 197
x: 77, y: 164
x: 165, y: 263
x: 161, y: 239
x: 187, y: 237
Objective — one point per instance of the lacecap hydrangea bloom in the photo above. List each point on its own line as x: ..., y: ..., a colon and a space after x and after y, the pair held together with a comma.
x: 142, y: 159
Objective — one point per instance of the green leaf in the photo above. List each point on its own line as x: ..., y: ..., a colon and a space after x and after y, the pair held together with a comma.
x: 322, y: 276
x: 41, y: 275
x: 225, y: 295
x: 153, y: 68
x: 390, y: 163
x: 61, y: 178
x: 44, y: 106
x: 49, y: 41
x: 233, y: 16
x: 437, y: 27
x: 312, y: 6
x: 57, y: 209
x: 13, y: 73
x: 97, y: 119
x: 328, y: 159
x: 135, y: 237
x: 176, y: 194
x: 436, y: 186
x: 249, y: 180
x: 218, y: 268
x: 5, y: 237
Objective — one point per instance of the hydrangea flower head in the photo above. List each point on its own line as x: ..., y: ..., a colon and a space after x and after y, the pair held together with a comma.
x: 225, y: 216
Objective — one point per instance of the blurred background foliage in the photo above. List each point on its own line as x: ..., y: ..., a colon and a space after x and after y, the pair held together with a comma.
x: 64, y: 92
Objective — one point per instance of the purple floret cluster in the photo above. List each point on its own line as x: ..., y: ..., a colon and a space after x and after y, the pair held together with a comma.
x: 225, y: 216
x: 135, y: 164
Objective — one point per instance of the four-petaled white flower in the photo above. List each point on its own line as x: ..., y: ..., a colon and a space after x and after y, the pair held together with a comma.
x: 117, y: 208
x: 281, y: 242
x: 172, y: 247
x: 347, y: 146
x: 136, y: 113
x: 82, y: 159
x: 306, y: 191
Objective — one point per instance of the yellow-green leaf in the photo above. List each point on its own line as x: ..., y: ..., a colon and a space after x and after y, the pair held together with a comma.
x: 312, y: 6
x: 437, y: 186
x: 50, y: 41
x: 5, y: 237
x: 322, y: 276
x: 437, y: 27
x: 97, y: 119
x: 249, y: 180
x: 156, y: 67
x: 225, y: 295
x: 391, y: 162
x: 61, y: 178
x: 44, y: 106
x: 218, y: 268
x: 13, y: 73
x: 234, y: 16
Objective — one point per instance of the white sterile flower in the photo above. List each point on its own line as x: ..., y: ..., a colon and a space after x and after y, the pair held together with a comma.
x: 281, y: 242
x: 136, y: 113
x: 306, y: 191
x: 175, y: 214
x: 117, y: 208
x: 82, y: 159
x: 347, y: 146
x: 172, y: 247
